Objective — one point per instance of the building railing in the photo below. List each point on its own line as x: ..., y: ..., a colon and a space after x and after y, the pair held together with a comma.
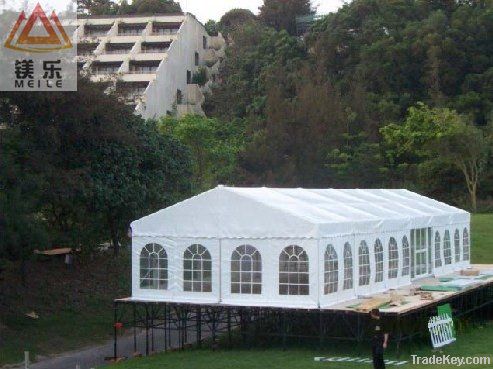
x: 143, y: 70
x: 164, y: 31
x: 154, y: 50
x: 95, y: 33
x: 117, y: 51
x: 130, y: 32
x: 103, y: 71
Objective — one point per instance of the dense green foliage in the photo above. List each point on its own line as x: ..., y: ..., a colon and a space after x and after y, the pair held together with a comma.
x: 281, y: 15
x: 214, y: 147
x: 315, y: 108
x: 432, y: 139
x: 73, y: 176
x: 233, y: 20
x: 111, y: 7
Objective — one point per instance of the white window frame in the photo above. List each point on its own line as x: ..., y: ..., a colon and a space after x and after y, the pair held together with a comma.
x: 438, y: 263
x: 197, y: 269
x: 246, y: 270
x: 457, y: 246
x: 393, y: 259
x: 447, y: 249
x: 378, y: 253
x: 331, y: 270
x: 406, y: 257
x: 154, y: 276
x: 364, y: 268
x: 466, y: 245
x: 348, y: 283
x: 294, y: 267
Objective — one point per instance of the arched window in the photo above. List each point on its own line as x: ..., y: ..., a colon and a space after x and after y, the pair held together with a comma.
x: 378, y: 261
x: 364, y: 264
x: 153, y: 267
x: 331, y: 271
x: 447, y: 252
x: 457, y: 245
x: 246, y: 270
x: 348, y: 267
x: 197, y: 269
x: 393, y: 258
x: 406, y: 256
x: 438, y: 250
x: 465, y: 244
x: 293, y: 271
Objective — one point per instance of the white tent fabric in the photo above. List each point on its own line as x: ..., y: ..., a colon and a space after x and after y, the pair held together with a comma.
x: 323, y: 223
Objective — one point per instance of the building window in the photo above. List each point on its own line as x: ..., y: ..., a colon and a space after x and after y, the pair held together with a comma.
x: 246, y: 270
x: 197, y: 269
x: 378, y: 261
x: 447, y: 252
x: 457, y: 245
x: 348, y: 267
x: 196, y: 59
x: 153, y: 267
x: 364, y: 264
x: 204, y: 42
x: 293, y: 271
x: 393, y: 258
x: 438, y: 250
x: 189, y: 77
x: 465, y: 244
x: 406, y: 256
x: 331, y: 272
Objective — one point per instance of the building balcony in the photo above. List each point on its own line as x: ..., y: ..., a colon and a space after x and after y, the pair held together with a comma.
x: 138, y: 77
x: 148, y: 56
x: 110, y: 57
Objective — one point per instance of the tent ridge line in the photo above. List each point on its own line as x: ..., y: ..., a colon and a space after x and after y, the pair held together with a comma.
x: 290, y: 237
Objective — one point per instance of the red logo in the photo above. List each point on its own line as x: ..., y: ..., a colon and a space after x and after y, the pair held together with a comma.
x: 21, y: 40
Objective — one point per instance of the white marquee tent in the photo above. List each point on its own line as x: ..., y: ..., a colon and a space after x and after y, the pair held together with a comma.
x: 300, y: 248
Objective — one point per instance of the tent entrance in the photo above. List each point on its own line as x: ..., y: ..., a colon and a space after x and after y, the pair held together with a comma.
x: 421, y: 252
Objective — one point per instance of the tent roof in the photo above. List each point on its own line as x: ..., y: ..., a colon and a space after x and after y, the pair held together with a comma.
x: 234, y: 212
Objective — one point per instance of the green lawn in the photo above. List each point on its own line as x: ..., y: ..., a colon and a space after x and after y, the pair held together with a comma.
x: 482, y: 238
x: 74, y: 305
x: 475, y: 341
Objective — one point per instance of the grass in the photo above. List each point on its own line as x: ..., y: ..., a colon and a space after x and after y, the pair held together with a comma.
x: 74, y: 305
x: 475, y: 342
x: 482, y: 238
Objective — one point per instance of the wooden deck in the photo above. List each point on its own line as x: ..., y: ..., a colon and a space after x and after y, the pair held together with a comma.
x: 411, y: 301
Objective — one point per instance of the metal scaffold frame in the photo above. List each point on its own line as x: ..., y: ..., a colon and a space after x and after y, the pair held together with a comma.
x: 194, y: 323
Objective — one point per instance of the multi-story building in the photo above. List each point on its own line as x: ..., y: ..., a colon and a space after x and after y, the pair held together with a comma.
x: 161, y: 64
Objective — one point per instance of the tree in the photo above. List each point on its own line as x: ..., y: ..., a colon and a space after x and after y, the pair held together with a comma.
x: 97, y: 166
x: 112, y: 7
x: 97, y: 7
x: 214, y: 146
x: 256, y: 52
x: 211, y: 27
x: 441, y: 136
x: 149, y: 7
x: 281, y: 14
x: 234, y: 20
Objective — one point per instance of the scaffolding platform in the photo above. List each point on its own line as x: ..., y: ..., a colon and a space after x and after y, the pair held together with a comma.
x: 192, y: 323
